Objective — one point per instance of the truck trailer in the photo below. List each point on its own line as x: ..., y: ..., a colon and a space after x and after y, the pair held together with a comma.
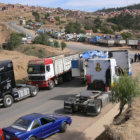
x: 50, y: 71
x: 9, y: 91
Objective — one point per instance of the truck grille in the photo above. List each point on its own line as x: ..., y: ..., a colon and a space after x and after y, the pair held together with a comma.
x: 37, y: 78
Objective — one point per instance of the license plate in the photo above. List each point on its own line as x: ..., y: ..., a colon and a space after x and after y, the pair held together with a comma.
x: 7, y: 137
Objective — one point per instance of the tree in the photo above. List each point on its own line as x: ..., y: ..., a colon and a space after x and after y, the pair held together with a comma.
x: 97, y: 22
x: 47, y: 15
x: 56, y: 44
x: 14, y: 41
x: 42, y: 39
x: 36, y: 15
x: 124, y: 91
x: 73, y: 27
x: 63, y: 45
x: 126, y: 35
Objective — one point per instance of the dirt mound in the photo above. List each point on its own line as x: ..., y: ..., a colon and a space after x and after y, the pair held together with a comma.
x: 127, y: 127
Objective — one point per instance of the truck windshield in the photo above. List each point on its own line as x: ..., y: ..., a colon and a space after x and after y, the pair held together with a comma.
x: 36, y: 69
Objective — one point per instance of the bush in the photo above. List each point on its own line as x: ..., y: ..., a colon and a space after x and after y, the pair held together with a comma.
x: 73, y: 27
x: 106, y: 30
x: 42, y: 39
x: 41, y: 53
x: 123, y: 94
x: 36, y: 15
x: 63, y: 45
x: 126, y: 35
x: 14, y: 41
x: 56, y: 44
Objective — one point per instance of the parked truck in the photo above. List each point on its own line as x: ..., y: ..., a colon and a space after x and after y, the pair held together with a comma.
x: 134, y: 43
x: 99, y: 74
x: 50, y: 71
x: 9, y: 91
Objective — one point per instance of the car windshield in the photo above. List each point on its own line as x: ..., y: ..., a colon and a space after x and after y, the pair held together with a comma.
x: 36, y: 69
x: 21, y: 124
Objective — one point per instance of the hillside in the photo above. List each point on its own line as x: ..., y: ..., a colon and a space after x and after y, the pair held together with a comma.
x: 131, y: 7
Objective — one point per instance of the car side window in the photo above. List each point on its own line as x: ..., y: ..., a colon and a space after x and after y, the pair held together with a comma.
x: 36, y: 124
x: 46, y: 120
x: 48, y: 68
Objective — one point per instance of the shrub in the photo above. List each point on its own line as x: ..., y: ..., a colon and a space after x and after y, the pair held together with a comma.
x: 126, y: 35
x: 56, y: 44
x: 63, y: 45
x: 106, y: 30
x: 14, y: 41
x: 41, y: 53
x: 36, y: 15
x: 42, y: 39
x: 123, y: 94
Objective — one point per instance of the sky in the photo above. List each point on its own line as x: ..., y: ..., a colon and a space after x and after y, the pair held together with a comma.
x: 84, y: 5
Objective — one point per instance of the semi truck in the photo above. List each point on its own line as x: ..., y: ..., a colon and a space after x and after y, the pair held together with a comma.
x: 134, y: 43
x: 79, y: 66
x: 99, y: 74
x: 49, y: 72
x: 9, y: 91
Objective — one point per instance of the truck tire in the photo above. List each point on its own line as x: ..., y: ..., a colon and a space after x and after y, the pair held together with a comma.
x: 7, y: 100
x: 51, y: 84
x: 98, y: 107
x: 63, y: 127
x: 34, y: 92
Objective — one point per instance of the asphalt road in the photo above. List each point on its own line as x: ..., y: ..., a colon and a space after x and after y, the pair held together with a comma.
x: 51, y: 101
x: 20, y: 29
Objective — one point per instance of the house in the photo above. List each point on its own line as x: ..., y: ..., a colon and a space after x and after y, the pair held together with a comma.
x: 51, y: 19
x: 89, y: 32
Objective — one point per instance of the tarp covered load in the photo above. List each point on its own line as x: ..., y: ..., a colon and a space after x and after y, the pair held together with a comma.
x: 94, y: 54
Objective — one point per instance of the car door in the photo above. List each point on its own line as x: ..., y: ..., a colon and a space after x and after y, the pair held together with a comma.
x: 46, y: 126
x: 35, y: 129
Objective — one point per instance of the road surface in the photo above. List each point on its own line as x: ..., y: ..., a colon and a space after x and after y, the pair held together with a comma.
x: 51, y: 101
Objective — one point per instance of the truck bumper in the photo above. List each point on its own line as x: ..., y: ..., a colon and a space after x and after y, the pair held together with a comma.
x: 40, y: 84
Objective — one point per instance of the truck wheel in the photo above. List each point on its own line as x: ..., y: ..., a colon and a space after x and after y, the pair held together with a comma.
x: 7, y: 101
x: 34, y: 92
x: 98, y: 107
x: 63, y: 127
x: 51, y: 84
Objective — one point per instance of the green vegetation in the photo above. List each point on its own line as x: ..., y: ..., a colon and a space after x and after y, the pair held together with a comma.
x: 126, y: 35
x: 42, y: 39
x: 73, y: 27
x: 14, y: 41
x: 40, y: 52
x: 56, y: 44
x: 47, y: 15
x: 131, y: 7
x: 63, y: 45
x: 36, y: 16
x: 106, y: 30
x: 123, y: 94
x: 126, y: 21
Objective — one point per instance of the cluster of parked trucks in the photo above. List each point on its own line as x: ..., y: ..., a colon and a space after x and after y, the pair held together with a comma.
x: 98, y: 72
x: 105, y: 40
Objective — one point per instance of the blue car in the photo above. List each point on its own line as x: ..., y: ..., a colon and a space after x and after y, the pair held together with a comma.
x: 36, y: 126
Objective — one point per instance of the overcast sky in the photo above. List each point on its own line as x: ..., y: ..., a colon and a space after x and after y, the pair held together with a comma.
x: 86, y: 5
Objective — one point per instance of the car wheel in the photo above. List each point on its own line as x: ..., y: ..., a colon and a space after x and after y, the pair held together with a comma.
x: 32, y: 138
x: 34, y: 92
x: 51, y: 84
x: 7, y: 101
x: 98, y: 106
x: 63, y: 127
